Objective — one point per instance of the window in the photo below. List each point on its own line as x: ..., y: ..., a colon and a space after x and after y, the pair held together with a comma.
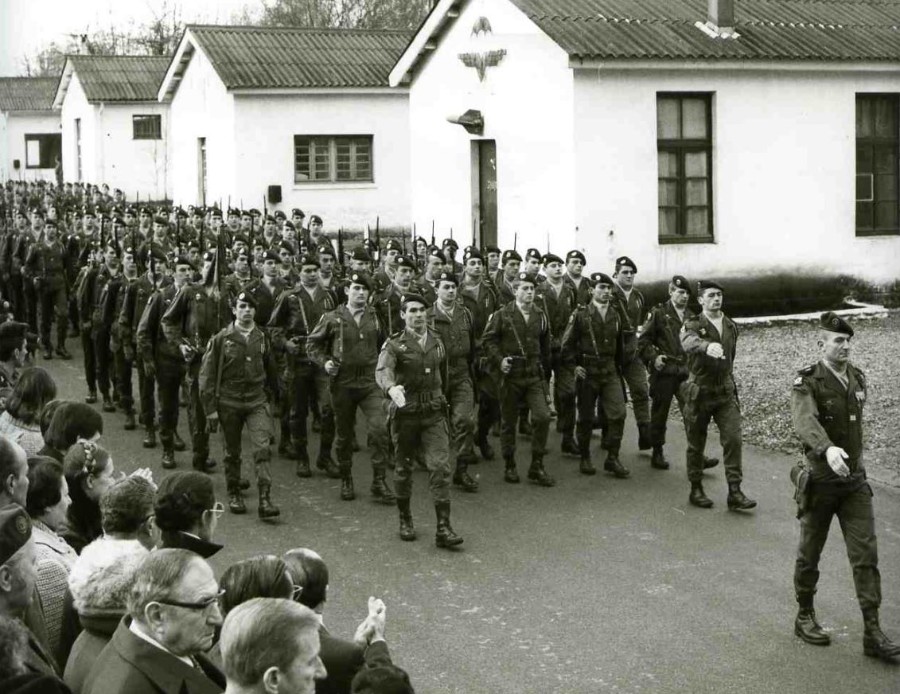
x: 684, y: 147
x: 877, y: 145
x: 147, y: 127
x: 331, y: 159
x: 42, y: 151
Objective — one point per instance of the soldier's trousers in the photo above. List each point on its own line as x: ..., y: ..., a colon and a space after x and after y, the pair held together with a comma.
x: 699, y: 409
x: 197, y: 419
x: 147, y: 395
x: 635, y: 374
x: 564, y: 397
x: 90, y: 358
x: 514, y: 392
x: 422, y: 434
x: 103, y: 357
x: 605, y: 388
x: 461, y: 398
x: 345, y: 401
x: 310, y: 382
x: 169, y: 375
x: 124, y: 368
x: 53, y: 303
x: 258, y: 419
x: 30, y: 295
x: 663, y: 387
x: 16, y: 296
x: 857, y: 519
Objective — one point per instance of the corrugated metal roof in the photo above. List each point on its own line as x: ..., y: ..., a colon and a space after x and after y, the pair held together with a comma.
x: 257, y: 57
x: 27, y: 93
x: 120, y: 77
x: 843, y: 30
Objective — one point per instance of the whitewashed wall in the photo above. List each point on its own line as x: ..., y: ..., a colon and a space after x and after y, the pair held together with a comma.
x: 527, y: 103
x: 202, y: 108
x: 76, y: 106
x: 13, y: 128
x: 266, y: 125
x: 784, y: 156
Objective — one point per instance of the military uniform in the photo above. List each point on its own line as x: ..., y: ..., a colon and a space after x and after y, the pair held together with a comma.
x: 46, y: 264
x: 123, y: 354
x: 632, y: 307
x: 237, y: 378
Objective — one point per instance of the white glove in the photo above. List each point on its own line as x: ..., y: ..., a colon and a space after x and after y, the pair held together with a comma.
x: 836, y: 457
x: 398, y: 395
x: 715, y: 350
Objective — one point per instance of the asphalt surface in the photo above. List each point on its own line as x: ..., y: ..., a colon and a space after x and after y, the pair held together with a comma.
x: 596, y: 585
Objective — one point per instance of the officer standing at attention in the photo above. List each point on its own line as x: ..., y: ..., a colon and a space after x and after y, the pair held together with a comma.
x: 412, y: 371
x: 710, y: 341
x: 238, y: 380
x: 517, y: 341
x: 827, y: 403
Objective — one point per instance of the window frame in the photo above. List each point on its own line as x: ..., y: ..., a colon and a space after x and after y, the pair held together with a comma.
x: 875, y: 142
x: 43, y: 150
x: 680, y: 147
x: 333, y: 142
x: 149, y: 117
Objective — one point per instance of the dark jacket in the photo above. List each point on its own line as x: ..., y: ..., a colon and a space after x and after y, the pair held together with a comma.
x: 507, y: 335
x: 343, y: 659
x: 179, y: 540
x: 238, y: 370
x: 661, y: 335
x: 714, y: 375
x: 422, y: 373
x: 33, y: 683
x: 96, y: 632
x: 130, y: 665
x: 354, y: 347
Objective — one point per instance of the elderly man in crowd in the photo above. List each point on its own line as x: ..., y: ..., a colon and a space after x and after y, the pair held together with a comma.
x: 173, y: 611
x: 343, y: 659
x: 271, y: 646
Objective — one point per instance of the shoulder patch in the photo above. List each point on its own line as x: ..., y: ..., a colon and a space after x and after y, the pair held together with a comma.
x: 807, y: 371
x: 798, y: 381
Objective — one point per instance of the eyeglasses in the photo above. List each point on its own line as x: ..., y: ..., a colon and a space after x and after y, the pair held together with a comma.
x: 202, y: 605
x: 218, y: 509
x: 296, y: 592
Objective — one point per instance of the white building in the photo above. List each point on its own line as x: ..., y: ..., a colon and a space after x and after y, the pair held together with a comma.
x: 296, y: 117
x: 719, y: 144
x: 114, y: 129
x: 30, y: 138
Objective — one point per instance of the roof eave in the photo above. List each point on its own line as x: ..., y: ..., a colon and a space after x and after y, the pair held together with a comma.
x: 177, y: 67
x: 62, y: 88
x: 741, y: 65
x: 288, y: 91
x: 439, y: 15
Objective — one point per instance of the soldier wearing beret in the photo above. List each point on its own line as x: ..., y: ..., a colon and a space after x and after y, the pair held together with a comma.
x: 492, y: 260
x: 450, y: 248
x: 592, y: 346
x: 390, y: 257
x: 534, y: 261
x: 575, y: 262
x: 122, y: 363
x: 387, y: 301
x: 517, y: 343
x: 630, y: 303
x: 345, y: 343
x: 412, y: 372
x: 13, y: 353
x: 426, y: 285
x: 659, y: 346
x: 238, y: 382
x: 297, y: 217
x: 46, y: 264
x: 827, y: 403
x: 710, y: 393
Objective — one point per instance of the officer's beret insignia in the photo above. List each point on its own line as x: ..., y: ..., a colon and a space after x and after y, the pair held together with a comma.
x: 402, y: 348
x: 835, y: 322
x: 798, y: 381
x: 703, y: 331
x: 22, y: 524
x: 199, y: 297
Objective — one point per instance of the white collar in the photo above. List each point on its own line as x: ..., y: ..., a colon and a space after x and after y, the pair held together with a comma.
x: 137, y: 631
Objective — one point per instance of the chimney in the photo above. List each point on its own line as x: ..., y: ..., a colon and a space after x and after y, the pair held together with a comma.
x: 721, y: 14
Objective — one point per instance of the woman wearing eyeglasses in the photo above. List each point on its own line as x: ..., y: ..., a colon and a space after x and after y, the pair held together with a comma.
x: 187, y: 512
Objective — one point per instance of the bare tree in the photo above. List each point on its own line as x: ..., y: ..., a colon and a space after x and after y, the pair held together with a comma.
x: 362, y: 14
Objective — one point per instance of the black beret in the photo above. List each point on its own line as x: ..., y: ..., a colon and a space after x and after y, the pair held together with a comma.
x: 240, y: 238
x: 13, y: 331
x: 361, y: 254
x: 601, y: 278
x: 246, y: 297
x: 393, y: 245
x: 279, y: 215
x: 269, y: 219
x: 551, y: 258
x: 15, y: 530
x: 405, y: 261
x: 271, y: 255
x: 534, y: 253
x: 708, y: 284
x: 181, y: 214
x: 287, y: 246
x: 510, y: 255
x: 308, y: 259
x: 246, y: 213
x: 361, y: 278
x: 315, y: 219
x: 144, y: 210
x: 472, y: 252
x: 437, y: 253
x: 52, y: 223
x: 255, y: 213
x: 447, y: 277
x: 447, y: 243
x: 680, y: 282
x: 234, y: 212
x: 576, y: 254
x: 37, y: 212
x: 491, y: 249
x: 834, y: 323
x: 289, y: 225
x: 297, y: 212
x: 626, y: 261
x: 215, y: 212
x: 527, y: 277
x: 156, y: 253
x: 209, y: 256
x: 326, y: 249
x: 412, y: 297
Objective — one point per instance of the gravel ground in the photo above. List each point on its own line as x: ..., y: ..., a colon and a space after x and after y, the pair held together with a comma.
x: 767, y: 362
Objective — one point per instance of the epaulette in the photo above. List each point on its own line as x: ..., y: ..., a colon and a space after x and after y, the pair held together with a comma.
x: 399, y: 333
x: 806, y: 371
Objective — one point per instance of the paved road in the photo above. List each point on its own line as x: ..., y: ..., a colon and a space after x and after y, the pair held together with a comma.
x: 598, y: 585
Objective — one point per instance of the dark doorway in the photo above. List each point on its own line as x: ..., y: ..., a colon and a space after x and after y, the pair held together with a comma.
x: 484, y: 155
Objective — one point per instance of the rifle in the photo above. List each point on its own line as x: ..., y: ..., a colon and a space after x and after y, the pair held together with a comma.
x: 250, y: 250
x: 432, y: 232
x: 515, y: 239
x: 377, y: 242
x: 474, y: 237
x: 340, y: 246
x: 403, y: 237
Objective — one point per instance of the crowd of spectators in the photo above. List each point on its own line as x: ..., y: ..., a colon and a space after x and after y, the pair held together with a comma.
x: 105, y: 586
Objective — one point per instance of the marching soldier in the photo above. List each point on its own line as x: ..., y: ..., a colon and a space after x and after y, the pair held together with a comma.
x: 384, y: 275
x: 575, y: 262
x: 492, y: 256
x: 123, y: 359
x: 452, y: 322
x: 710, y: 341
x: 96, y: 325
x: 412, y: 372
x: 534, y: 259
x: 449, y: 247
x: 827, y: 403
x: 434, y: 267
x: 517, y: 341
x: 237, y: 382
x: 592, y: 346
x: 505, y: 278
x: 659, y: 346
x: 630, y: 303
x: 46, y: 264
x: 345, y: 343
x: 387, y: 302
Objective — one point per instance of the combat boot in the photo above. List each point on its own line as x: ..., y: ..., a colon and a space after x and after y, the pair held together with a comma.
x: 303, y: 463
x: 178, y: 443
x: 876, y: 644
x: 806, y: 626
x: 658, y: 459
x: 62, y: 352
x: 569, y: 447
x: 108, y: 405
x: 445, y: 537
x: 698, y: 497
x: 538, y: 475
x: 347, y: 493
x: 130, y: 424
x: 380, y: 488
x: 586, y: 467
x: 91, y: 397
x: 644, y: 442
x: 236, y: 502
x: 325, y: 463
x: 48, y: 352
x: 266, y: 508
x: 737, y: 500
x: 168, y: 459
x: 150, y: 437
x: 407, y: 529
x: 511, y: 473
x: 614, y: 467
x: 461, y: 477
